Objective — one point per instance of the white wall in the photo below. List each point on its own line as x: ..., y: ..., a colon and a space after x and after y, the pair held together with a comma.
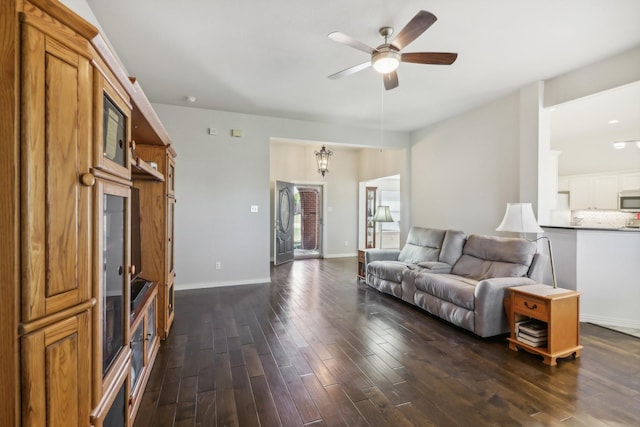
x: 464, y: 170
x: 609, y: 73
x: 379, y: 163
x: 219, y: 178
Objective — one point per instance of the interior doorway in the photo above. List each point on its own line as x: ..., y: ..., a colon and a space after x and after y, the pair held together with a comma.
x: 307, y: 221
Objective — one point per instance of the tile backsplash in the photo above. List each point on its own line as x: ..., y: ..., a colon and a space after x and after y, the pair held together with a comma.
x: 613, y: 219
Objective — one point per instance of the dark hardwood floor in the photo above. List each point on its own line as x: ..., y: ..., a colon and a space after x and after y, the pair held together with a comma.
x: 317, y: 348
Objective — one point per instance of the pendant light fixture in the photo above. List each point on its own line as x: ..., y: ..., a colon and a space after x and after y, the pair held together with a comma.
x: 322, y: 157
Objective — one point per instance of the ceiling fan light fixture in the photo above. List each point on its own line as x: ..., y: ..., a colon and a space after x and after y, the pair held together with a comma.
x: 385, y: 61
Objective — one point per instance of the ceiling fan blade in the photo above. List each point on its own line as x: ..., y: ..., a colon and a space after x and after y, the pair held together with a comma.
x: 350, y: 41
x: 390, y: 80
x: 437, y: 58
x: 414, y: 28
x: 350, y: 70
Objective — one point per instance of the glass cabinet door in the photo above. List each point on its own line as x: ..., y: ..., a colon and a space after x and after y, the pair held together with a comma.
x: 137, y: 354
x: 114, y: 144
x: 112, y: 128
x: 113, y: 275
x: 370, y: 210
x: 113, y: 241
x: 151, y: 325
x: 170, y: 234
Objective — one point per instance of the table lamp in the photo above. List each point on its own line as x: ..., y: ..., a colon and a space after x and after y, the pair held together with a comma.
x: 382, y: 215
x: 519, y: 218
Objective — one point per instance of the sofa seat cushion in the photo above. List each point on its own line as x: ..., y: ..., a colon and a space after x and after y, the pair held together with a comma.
x: 388, y: 270
x: 486, y: 257
x: 447, y: 287
x: 435, y: 266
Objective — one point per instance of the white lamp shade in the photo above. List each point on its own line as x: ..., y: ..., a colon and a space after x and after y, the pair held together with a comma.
x: 383, y: 214
x: 519, y: 218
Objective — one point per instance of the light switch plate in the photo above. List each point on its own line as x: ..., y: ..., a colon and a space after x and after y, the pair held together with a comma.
x: 254, y: 208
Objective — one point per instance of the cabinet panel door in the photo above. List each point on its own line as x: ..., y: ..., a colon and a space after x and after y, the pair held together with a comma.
x: 606, y: 192
x: 112, y: 129
x: 55, y: 374
x: 581, y: 195
x: 56, y: 114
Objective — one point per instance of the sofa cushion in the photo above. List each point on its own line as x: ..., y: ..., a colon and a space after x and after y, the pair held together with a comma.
x: 388, y: 270
x: 457, y: 290
x: 435, y: 266
x: 452, y: 246
x: 486, y: 257
x: 423, y: 244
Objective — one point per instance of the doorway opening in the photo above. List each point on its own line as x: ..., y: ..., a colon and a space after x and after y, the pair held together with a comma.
x: 307, y: 221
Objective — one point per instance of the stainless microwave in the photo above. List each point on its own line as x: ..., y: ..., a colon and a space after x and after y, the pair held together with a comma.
x: 629, y: 201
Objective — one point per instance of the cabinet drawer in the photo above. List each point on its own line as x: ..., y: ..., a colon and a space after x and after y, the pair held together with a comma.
x: 530, y: 306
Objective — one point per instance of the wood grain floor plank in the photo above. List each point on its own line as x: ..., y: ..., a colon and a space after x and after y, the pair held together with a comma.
x: 245, y: 405
x: 206, y: 409
x: 284, y: 403
x: 329, y: 412
x: 265, y: 406
x: 316, y: 347
x: 306, y: 408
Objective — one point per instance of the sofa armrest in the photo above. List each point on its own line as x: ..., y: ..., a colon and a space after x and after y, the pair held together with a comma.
x: 371, y: 255
x: 490, y: 317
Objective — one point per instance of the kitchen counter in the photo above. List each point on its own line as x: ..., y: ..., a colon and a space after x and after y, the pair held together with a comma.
x: 586, y: 227
x: 602, y: 263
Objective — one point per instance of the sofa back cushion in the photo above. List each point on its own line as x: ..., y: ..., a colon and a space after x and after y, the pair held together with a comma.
x: 486, y: 257
x: 452, y: 246
x: 423, y: 244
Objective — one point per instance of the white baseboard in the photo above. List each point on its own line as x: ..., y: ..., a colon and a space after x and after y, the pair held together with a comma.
x: 351, y: 255
x: 206, y: 285
x: 610, y: 321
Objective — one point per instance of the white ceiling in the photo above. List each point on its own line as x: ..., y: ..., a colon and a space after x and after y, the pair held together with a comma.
x: 610, y: 116
x: 272, y: 57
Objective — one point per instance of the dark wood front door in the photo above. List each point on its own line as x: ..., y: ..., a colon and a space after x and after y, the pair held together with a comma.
x: 283, y: 235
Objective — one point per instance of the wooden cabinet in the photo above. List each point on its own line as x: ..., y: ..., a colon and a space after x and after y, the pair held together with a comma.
x: 557, y: 308
x: 159, y: 210
x: 56, y: 360
x: 112, y: 123
x: 370, y: 211
x: 69, y: 116
x: 56, y: 112
x: 362, y: 272
x: 145, y: 343
x: 56, y: 254
x: 112, y: 284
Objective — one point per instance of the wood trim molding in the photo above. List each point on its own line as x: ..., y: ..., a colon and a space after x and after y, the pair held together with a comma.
x: 26, y: 328
x: 66, y: 16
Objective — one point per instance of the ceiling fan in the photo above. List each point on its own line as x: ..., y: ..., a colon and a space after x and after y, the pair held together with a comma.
x: 386, y: 57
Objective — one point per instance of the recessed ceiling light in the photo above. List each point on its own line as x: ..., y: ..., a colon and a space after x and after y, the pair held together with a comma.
x: 619, y: 145
x: 613, y: 121
x: 191, y: 99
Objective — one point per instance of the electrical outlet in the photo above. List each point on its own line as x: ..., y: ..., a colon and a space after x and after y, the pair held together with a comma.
x: 218, y: 265
x: 346, y: 243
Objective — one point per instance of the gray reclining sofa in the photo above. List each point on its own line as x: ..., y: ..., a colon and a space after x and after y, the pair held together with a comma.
x: 459, y: 278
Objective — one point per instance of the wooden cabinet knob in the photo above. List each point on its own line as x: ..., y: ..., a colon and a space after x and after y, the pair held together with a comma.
x: 87, y: 179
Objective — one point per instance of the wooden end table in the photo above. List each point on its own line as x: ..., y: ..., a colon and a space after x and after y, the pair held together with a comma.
x: 362, y: 273
x: 558, y: 308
